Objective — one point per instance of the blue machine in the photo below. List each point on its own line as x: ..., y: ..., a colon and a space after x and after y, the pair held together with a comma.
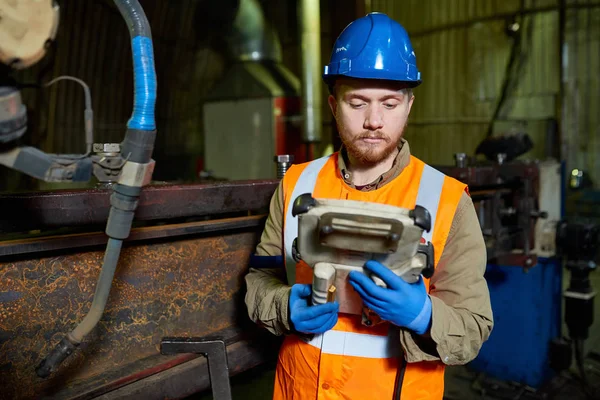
x: 527, y: 316
x: 527, y: 304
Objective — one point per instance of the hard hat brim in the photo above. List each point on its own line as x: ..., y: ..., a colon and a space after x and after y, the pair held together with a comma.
x: 330, y: 79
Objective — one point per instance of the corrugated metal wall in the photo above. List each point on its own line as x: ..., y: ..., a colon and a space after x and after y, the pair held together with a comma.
x: 581, y: 114
x: 462, y: 49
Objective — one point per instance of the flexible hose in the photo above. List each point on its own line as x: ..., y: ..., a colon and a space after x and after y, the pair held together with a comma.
x: 111, y: 257
x: 143, y: 65
x: 124, y: 203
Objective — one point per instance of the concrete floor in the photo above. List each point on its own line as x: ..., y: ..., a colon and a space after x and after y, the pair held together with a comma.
x: 461, y: 382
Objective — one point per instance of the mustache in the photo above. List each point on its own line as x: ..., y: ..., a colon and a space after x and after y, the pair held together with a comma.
x: 372, y: 135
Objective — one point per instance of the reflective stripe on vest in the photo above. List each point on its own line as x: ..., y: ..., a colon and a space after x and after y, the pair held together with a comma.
x: 430, y: 191
x: 305, y: 184
x: 356, y: 344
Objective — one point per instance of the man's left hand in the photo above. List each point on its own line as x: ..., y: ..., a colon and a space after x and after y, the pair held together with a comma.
x: 401, y: 303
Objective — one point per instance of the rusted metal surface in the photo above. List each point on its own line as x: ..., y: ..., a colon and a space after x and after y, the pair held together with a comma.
x: 46, y: 210
x: 192, y: 286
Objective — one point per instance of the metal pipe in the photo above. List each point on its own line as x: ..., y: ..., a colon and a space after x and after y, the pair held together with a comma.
x: 137, y: 150
x: 310, y: 38
x: 252, y: 37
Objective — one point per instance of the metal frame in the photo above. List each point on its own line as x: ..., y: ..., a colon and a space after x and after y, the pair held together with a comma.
x: 215, y: 352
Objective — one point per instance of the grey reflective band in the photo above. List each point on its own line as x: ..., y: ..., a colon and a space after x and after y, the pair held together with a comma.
x: 430, y: 191
x: 356, y: 344
x: 305, y: 184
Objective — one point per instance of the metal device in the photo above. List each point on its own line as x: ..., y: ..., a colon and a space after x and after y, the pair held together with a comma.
x: 27, y: 28
x: 339, y: 236
x: 577, y: 241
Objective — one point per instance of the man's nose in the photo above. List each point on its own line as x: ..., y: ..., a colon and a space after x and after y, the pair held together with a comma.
x: 373, y: 118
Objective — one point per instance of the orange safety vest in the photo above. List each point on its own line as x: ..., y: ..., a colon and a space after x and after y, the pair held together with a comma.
x: 353, y: 361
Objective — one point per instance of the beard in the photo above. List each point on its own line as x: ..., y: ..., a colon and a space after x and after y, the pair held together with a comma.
x: 369, y: 154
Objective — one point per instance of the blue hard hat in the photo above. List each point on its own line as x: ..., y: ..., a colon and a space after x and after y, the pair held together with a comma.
x: 373, y: 47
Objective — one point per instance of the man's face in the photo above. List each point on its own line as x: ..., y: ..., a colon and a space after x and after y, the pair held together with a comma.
x: 371, y: 116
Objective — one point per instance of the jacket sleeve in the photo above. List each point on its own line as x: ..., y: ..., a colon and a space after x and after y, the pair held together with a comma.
x: 461, y: 311
x: 267, y: 293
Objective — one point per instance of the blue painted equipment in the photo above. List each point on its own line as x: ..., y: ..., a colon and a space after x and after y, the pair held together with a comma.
x: 527, y: 317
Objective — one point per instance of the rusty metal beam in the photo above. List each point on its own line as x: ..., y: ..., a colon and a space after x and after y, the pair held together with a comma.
x: 487, y: 176
x: 79, y: 240
x: 50, y: 210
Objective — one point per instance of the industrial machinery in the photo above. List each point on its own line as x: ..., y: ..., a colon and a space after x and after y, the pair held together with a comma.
x: 339, y: 236
x: 578, y: 243
x: 519, y: 205
x: 25, y: 29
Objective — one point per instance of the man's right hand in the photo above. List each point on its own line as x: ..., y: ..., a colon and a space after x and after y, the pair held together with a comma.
x: 311, y: 319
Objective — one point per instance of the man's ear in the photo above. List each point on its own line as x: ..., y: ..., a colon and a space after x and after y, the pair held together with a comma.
x: 410, y: 103
x: 332, y: 104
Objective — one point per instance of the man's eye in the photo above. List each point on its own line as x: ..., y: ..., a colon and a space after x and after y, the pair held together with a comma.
x: 390, y: 106
x: 357, y: 105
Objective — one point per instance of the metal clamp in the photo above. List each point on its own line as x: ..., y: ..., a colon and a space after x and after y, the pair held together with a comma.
x: 215, y: 352
x: 135, y: 174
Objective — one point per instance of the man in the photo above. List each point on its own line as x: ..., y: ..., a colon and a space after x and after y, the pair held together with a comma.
x: 426, y: 325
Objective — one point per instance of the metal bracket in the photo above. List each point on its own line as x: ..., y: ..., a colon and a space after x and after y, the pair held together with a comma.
x: 215, y: 352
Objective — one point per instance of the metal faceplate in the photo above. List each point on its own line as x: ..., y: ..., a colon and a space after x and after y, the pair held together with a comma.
x: 339, y: 236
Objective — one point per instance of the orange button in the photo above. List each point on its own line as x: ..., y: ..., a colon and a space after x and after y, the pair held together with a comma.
x: 325, y: 386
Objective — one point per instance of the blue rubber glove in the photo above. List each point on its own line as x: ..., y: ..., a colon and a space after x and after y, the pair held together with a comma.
x: 404, y: 304
x: 311, y: 319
